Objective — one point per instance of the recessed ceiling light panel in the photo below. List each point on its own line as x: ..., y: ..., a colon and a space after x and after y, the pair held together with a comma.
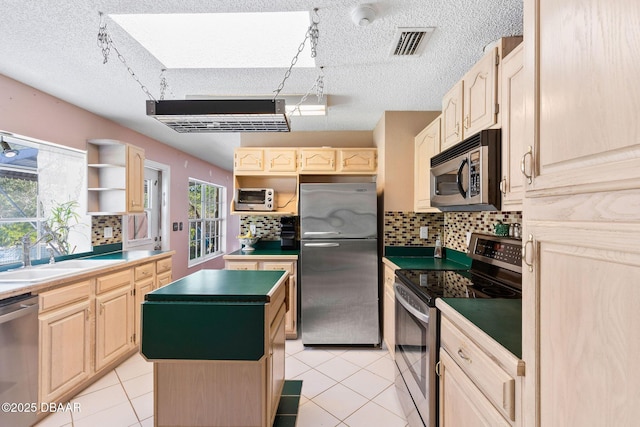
x: 221, y: 40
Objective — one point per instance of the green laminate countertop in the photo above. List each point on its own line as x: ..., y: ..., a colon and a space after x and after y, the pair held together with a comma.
x: 426, y: 263
x: 220, y: 285
x: 129, y: 255
x: 421, y: 258
x: 266, y: 248
x: 499, y: 318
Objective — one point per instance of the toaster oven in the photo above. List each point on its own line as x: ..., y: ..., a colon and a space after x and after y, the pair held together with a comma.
x: 255, y: 199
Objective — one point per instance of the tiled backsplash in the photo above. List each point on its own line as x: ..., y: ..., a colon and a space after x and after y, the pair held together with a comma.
x: 457, y: 224
x: 403, y: 228
x: 98, y: 223
x: 267, y: 227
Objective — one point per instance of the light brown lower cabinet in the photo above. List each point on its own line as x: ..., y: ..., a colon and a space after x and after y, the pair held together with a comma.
x: 389, y: 310
x: 114, y: 325
x: 480, y: 381
x: 163, y: 272
x: 65, y: 340
x: 87, y: 327
x: 144, y: 281
x: 461, y: 402
x: 253, y: 262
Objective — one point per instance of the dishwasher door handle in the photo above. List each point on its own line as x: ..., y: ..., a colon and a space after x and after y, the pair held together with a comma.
x: 322, y: 245
x: 20, y: 312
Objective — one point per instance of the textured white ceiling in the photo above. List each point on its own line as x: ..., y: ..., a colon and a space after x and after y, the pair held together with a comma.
x: 51, y: 45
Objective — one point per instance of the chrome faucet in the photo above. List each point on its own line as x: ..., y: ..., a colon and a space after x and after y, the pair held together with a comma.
x: 26, y: 247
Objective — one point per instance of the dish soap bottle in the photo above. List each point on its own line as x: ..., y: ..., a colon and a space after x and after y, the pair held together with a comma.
x: 437, y: 251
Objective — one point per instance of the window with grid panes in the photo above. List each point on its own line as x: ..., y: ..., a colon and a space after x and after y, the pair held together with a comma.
x: 206, y: 220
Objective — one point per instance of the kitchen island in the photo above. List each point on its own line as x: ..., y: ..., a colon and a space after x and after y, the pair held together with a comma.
x: 216, y: 338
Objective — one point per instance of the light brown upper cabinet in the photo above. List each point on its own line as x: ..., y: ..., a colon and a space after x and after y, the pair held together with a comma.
x: 427, y: 145
x: 265, y: 160
x: 317, y: 160
x: 248, y: 160
x: 135, y: 179
x: 512, y: 182
x: 452, y: 116
x: 357, y: 160
x: 583, y: 98
x: 281, y: 159
x: 472, y: 104
x: 115, y: 175
x: 279, y: 168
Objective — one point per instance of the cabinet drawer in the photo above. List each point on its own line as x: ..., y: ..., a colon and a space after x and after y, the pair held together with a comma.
x: 494, y: 382
x: 389, y: 277
x: 163, y: 265
x: 112, y: 281
x: 286, y: 266
x: 276, y: 303
x: 242, y: 265
x: 65, y: 295
x: 144, y: 271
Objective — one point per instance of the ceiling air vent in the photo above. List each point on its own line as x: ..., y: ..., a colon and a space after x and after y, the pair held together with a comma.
x: 410, y: 41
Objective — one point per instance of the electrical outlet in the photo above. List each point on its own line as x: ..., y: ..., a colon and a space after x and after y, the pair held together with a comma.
x: 424, y: 232
x: 253, y: 229
x: 108, y: 232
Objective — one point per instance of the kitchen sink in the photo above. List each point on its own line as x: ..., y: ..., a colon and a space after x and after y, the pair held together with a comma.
x: 82, y: 264
x: 34, y: 274
x: 46, y: 272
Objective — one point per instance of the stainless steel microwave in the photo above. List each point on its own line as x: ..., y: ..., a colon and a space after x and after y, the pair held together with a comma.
x: 466, y: 177
x: 255, y: 199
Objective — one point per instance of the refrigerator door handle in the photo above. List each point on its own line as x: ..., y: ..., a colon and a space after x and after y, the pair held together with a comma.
x: 321, y: 233
x: 322, y: 245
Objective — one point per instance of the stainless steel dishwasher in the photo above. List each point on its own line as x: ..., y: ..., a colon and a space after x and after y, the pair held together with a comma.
x: 19, y: 360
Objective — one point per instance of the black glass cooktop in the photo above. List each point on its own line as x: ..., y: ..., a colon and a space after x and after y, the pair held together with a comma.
x: 432, y: 284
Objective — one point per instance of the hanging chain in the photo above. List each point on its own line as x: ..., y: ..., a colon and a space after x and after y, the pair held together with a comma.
x: 105, y: 43
x: 313, y: 34
x: 318, y: 85
x: 163, y: 84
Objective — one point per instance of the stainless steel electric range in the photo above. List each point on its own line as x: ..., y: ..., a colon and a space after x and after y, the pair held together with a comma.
x: 495, y: 273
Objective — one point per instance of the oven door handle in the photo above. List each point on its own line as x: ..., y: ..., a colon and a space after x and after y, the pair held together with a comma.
x: 424, y: 318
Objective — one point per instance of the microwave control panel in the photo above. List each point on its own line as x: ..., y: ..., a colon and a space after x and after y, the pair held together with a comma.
x: 475, y: 180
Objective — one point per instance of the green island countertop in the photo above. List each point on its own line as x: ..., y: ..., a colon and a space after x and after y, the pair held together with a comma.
x: 499, y: 318
x: 209, y: 315
x: 220, y: 285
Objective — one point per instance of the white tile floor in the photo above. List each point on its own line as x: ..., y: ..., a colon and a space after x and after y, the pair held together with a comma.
x: 341, y: 387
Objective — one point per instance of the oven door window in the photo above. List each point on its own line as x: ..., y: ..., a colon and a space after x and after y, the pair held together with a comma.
x: 412, y: 347
x: 251, y: 196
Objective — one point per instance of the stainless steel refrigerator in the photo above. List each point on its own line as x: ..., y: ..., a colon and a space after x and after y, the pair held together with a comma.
x: 339, y: 264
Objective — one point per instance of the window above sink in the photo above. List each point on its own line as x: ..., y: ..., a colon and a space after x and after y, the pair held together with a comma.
x: 42, y: 190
